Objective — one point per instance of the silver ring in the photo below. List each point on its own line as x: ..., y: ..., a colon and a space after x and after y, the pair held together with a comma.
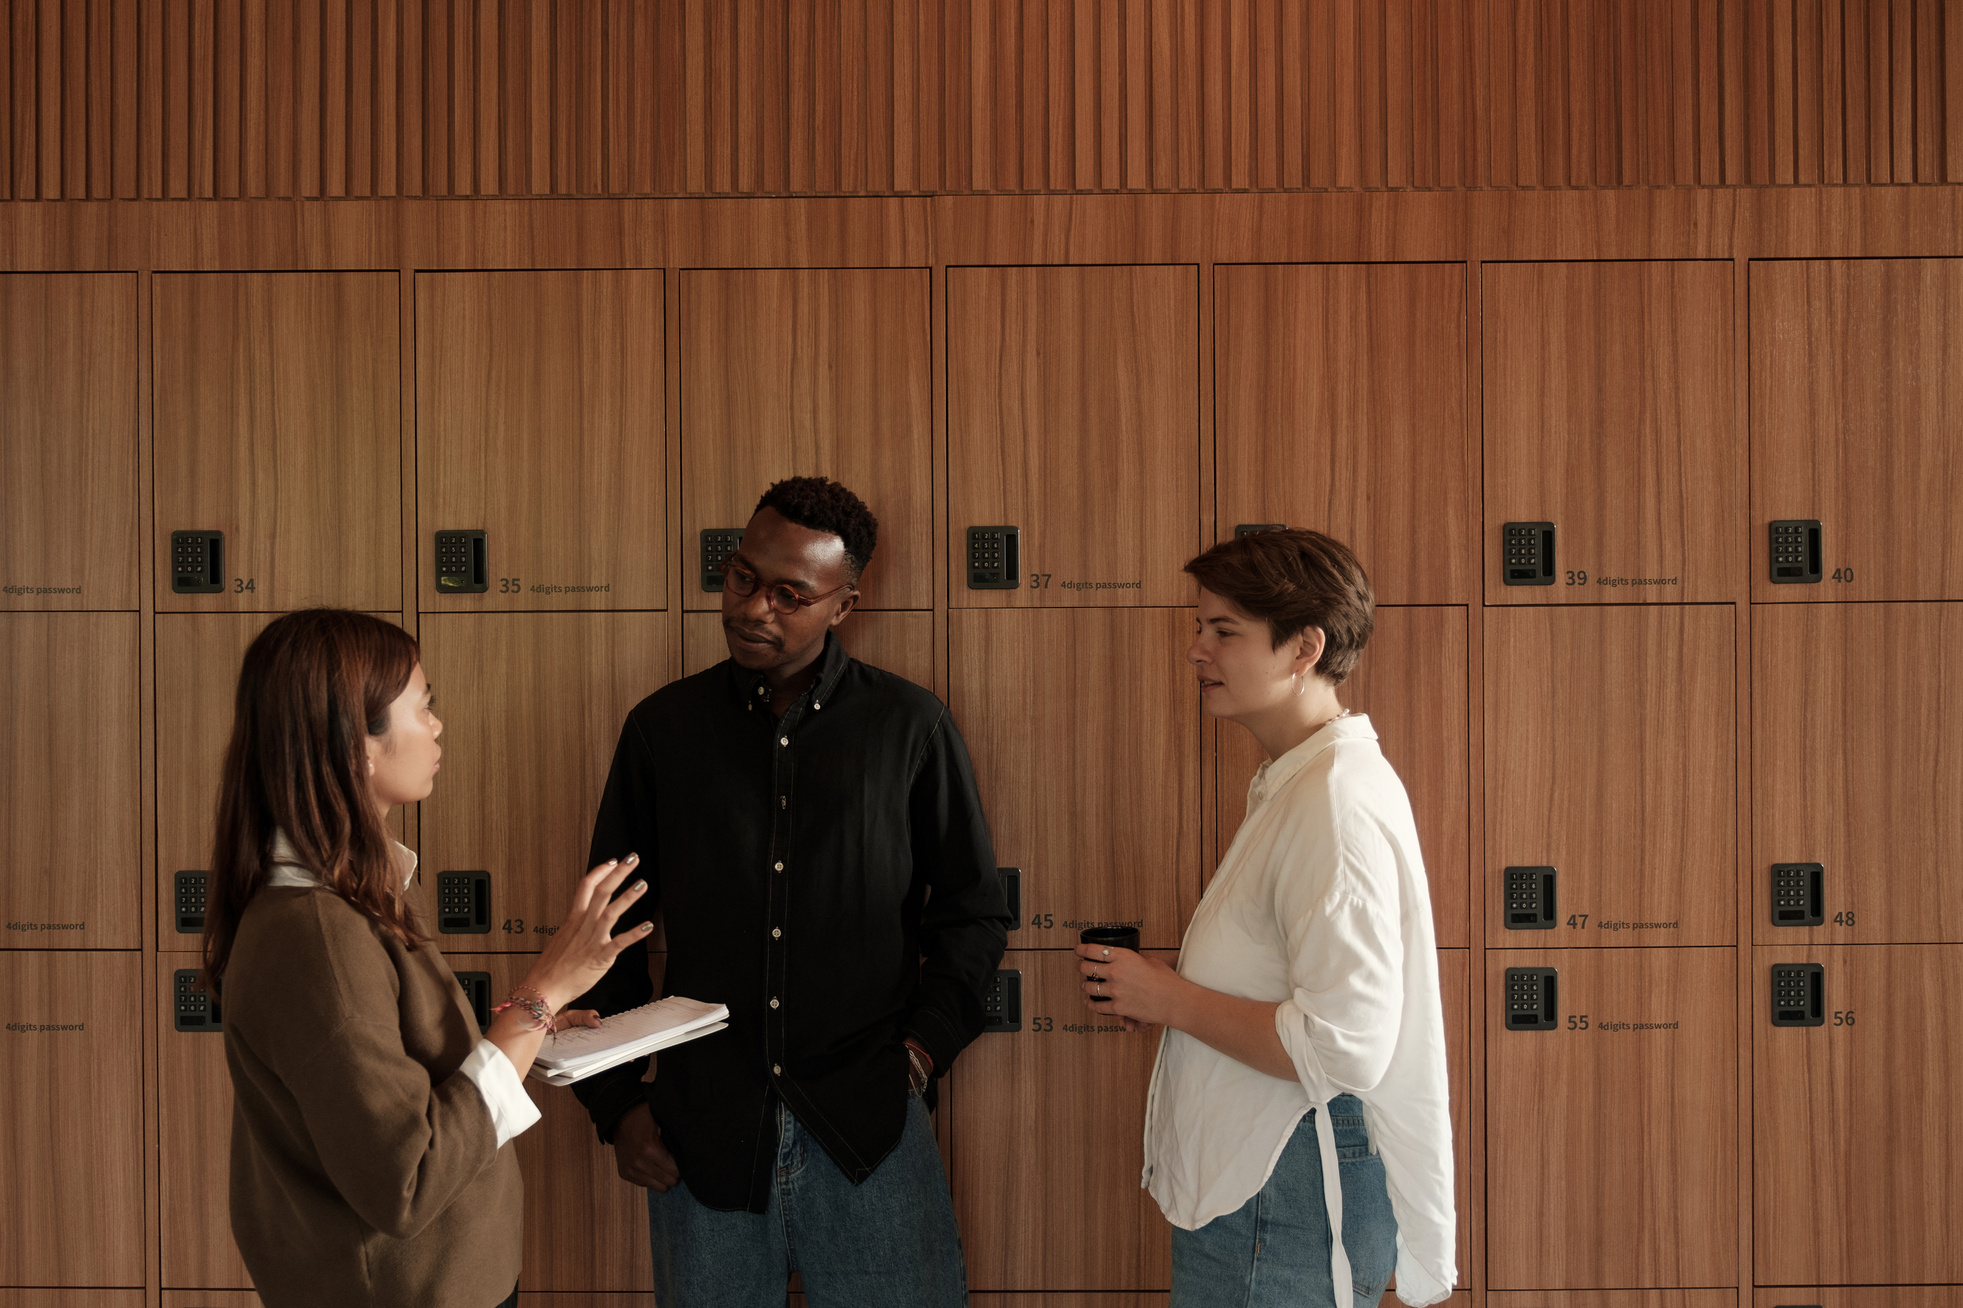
x: 1098, y: 991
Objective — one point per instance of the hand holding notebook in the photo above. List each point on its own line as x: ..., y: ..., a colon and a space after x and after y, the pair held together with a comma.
x: 578, y: 1053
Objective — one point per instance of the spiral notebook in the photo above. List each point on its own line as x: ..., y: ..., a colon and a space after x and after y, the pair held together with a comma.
x: 577, y: 1054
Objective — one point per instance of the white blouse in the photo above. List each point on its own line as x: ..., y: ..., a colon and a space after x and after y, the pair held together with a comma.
x: 512, y: 1110
x: 1320, y: 906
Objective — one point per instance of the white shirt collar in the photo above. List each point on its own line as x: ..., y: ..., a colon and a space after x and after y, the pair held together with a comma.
x: 1272, y: 775
x: 289, y: 872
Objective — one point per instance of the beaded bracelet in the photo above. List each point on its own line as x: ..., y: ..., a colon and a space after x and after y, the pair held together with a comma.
x: 541, y: 1015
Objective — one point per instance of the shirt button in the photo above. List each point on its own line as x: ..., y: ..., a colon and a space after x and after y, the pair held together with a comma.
x: 783, y: 740
x: 773, y: 1003
x: 776, y: 932
x: 776, y: 1070
x: 815, y: 704
x: 780, y: 867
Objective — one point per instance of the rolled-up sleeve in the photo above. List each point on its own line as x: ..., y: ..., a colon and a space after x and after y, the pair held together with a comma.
x: 512, y: 1110
x: 1340, y: 1023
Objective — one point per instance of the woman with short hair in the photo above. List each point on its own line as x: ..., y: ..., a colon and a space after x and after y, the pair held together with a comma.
x: 371, y: 1123
x: 1298, y: 1134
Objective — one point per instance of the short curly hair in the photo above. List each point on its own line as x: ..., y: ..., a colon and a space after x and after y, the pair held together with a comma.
x: 823, y: 505
x: 1294, y: 580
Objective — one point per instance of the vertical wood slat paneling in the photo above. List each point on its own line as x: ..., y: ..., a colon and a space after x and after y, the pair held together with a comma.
x: 249, y: 98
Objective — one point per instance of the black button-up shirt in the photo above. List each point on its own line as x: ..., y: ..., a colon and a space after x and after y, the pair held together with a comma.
x: 828, y: 875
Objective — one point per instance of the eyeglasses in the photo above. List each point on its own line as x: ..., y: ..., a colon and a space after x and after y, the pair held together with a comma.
x: 742, y: 583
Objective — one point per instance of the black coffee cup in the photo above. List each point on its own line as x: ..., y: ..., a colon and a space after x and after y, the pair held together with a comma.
x: 1112, y: 937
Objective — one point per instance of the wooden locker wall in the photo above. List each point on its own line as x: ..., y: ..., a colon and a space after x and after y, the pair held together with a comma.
x: 540, y: 421
x: 1073, y: 400
x: 278, y: 423
x: 1608, y: 413
x: 70, y: 805
x: 819, y: 372
x: 68, y: 387
x: 532, y: 706
x: 1857, y: 389
x: 1841, y: 678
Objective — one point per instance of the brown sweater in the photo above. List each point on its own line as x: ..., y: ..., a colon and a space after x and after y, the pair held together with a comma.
x: 365, y: 1168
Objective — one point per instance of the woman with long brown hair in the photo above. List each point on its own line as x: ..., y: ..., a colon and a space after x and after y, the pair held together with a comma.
x: 371, y: 1121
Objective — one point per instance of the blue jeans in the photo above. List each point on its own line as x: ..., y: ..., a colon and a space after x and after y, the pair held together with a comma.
x: 889, y: 1242
x: 1274, y: 1249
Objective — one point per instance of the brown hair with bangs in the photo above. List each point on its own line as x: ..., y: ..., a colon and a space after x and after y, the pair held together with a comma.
x: 314, y: 686
x: 1296, y: 579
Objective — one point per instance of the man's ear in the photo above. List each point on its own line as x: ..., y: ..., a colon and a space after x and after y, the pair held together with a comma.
x: 845, y: 606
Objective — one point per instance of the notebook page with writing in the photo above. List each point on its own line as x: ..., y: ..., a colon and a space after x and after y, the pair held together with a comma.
x: 628, y: 1033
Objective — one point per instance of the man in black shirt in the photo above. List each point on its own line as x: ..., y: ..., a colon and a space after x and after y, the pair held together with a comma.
x: 815, y: 845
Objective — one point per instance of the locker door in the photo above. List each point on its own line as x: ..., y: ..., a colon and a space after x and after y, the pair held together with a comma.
x: 68, y: 466
x: 1614, y: 1299
x: 532, y: 706
x: 1608, y: 413
x: 210, y: 1299
x: 1855, y: 711
x: 540, y: 422
x: 1894, y: 1296
x: 198, y: 660
x: 1085, y: 734
x: 72, y: 1065
x: 585, y: 1228
x: 70, y: 781
x: 1341, y: 406
x: 1610, y: 758
x: 1858, y: 1176
x: 278, y: 423
x: 1411, y: 681
x: 132, y: 1298
x: 898, y: 642
x: 1857, y: 391
x: 1048, y: 1135
x: 1626, y: 1175
x: 194, y: 1148
x: 810, y: 372
x: 1073, y: 415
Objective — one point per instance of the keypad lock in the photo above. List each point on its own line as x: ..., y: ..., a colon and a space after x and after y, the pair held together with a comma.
x: 1249, y: 528
x: 477, y: 996
x: 1799, y: 994
x: 1795, y: 551
x: 1012, y: 892
x: 994, y: 558
x: 189, y: 893
x: 194, y: 1009
x: 463, y: 903
x: 718, y: 543
x: 463, y: 564
x: 1530, y: 899
x: 1527, y: 553
x: 1002, y: 1002
x: 1530, y: 999
x: 1798, y: 898
x: 197, y: 562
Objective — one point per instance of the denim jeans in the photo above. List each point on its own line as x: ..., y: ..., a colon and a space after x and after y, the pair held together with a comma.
x: 1274, y: 1249
x: 889, y: 1242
